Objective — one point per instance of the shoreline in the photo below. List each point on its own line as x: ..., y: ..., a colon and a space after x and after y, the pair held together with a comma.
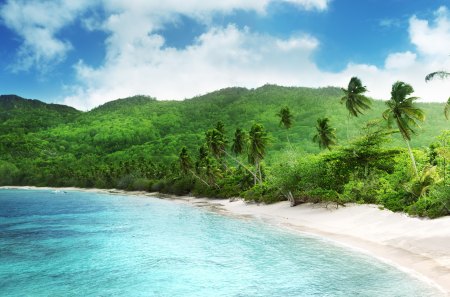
x: 419, y: 247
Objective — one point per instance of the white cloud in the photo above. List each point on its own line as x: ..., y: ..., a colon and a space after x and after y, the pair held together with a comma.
x: 37, y: 23
x: 400, y: 60
x: 138, y: 62
x: 431, y: 39
x: 219, y: 58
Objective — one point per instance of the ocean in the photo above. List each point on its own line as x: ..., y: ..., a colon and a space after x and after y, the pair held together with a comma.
x: 74, y: 243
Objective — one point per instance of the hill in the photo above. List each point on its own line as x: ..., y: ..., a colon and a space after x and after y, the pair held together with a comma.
x: 63, y: 145
x: 21, y: 115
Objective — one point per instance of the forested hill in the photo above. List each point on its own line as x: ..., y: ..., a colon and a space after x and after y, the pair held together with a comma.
x: 24, y: 115
x: 51, y: 144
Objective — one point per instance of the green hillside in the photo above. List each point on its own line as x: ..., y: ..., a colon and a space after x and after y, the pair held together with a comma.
x: 21, y: 115
x: 141, y: 137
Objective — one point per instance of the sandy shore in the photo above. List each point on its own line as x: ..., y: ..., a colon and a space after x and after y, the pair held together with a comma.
x: 417, y: 246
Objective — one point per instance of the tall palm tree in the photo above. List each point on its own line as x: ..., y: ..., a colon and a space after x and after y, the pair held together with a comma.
x: 185, y: 160
x: 186, y: 164
x: 325, y: 135
x: 216, y: 142
x: 285, y: 120
x: 257, y: 148
x: 354, y: 99
x: 405, y: 113
x: 238, y: 142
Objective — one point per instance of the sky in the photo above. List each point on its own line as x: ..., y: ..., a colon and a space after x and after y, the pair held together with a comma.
x: 84, y: 53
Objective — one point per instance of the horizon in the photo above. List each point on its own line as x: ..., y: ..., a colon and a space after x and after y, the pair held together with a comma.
x: 86, y: 54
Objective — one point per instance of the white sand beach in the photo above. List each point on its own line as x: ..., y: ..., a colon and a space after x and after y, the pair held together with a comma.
x: 420, y: 247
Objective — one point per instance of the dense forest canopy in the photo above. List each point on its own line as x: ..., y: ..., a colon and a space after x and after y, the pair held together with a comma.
x: 135, y: 142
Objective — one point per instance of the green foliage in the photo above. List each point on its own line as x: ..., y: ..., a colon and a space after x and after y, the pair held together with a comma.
x: 325, y: 135
x: 402, y: 110
x: 8, y: 173
x: 354, y: 100
x: 285, y: 117
x: 134, y: 144
x: 434, y: 205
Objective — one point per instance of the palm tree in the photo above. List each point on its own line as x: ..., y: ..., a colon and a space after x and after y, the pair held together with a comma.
x: 184, y: 160
x: 405, y: 113
x: 216, y: 142
x: 354, y: 100
x: 285, y: 120
x: 257, y: 148
x: 438, y: 74
x: 239, y: 142
x: 186, y: 165
x: 325, y: 135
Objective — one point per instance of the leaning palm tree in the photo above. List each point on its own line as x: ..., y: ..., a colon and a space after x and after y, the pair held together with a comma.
x: 216, y: 142
x: 405, y: 113
x: 354, y: 99
x: 186, y: 164
x: 285, y: 120
x: 257, y: 148
x: 325, y: 135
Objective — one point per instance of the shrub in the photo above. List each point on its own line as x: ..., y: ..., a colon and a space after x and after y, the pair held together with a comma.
x: 141, y: 184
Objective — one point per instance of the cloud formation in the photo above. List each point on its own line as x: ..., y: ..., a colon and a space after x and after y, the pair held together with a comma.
x: 37, y: 23
x: 138, y: 61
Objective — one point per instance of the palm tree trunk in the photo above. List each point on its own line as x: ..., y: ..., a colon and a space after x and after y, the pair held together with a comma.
x: 289, y: 141
x: 348, y: 124
x: 260, y: 175
x: 445, y: 171
x: 411, y: 155
x: 198, y: 177
x: 240, y: 163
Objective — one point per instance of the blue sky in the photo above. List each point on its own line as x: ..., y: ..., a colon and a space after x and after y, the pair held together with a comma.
x: 84, y: 53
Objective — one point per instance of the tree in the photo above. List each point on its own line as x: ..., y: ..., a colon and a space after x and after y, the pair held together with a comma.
x: 238, y: 142
x: 354, y: 99
x: 438, y: 74
x: 186, y: 164
x: 215, y: 141
x: 257, y: 148
x: 325, y: 135
x: 185, y: 160
x: 405, y: 113
x: 285, y: 120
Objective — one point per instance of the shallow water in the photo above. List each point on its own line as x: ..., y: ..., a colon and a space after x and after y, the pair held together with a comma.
x: 55, y: 243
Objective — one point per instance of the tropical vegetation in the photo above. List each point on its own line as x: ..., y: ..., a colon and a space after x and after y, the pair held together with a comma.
x: 235, y: 143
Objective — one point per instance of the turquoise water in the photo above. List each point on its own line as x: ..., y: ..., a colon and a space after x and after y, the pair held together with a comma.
x: 90, y: 244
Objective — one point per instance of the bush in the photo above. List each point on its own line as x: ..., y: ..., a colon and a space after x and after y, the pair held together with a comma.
x: 362, y: 190
x: 8, y: 173
x: 434, y: 205
x: 141, y: 184
x: 126, y: 182
x: 262, y: 193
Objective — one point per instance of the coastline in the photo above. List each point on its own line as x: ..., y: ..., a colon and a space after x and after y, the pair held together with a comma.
x: 420, y: 247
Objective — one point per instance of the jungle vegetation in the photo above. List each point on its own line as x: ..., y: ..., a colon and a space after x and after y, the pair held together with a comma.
x: 267, y: 144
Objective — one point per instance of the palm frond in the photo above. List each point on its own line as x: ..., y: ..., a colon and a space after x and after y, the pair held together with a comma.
x: 438, y: 74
